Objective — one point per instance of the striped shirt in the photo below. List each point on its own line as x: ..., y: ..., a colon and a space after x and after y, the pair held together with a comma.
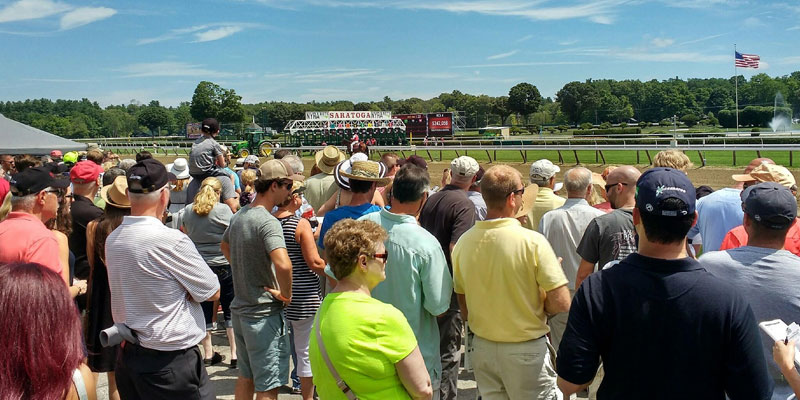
x: 306, y: 291
x: 157, y: 281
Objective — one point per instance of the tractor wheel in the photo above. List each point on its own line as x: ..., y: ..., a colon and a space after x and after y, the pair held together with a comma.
x: 244, y: 153
x: 265, y: 149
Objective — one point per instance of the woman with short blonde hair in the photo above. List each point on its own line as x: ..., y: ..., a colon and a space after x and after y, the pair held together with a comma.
x: 674, y: 159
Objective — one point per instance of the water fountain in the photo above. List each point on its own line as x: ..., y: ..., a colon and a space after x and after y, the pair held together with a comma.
x: 780, y: 119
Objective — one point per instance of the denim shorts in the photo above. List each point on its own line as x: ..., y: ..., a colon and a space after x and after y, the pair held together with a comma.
x: 262, y: 348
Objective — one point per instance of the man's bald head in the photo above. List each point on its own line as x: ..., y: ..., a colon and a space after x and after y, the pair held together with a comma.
x: 624, y: 174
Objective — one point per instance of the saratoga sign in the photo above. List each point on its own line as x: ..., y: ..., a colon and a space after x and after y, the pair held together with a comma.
x: 324, y: 115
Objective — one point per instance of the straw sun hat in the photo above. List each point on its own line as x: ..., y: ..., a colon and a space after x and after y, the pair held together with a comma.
x: 369, y: 171
x: 114, y: 194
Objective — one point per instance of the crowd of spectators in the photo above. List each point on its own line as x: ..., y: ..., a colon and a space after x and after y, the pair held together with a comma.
x: 372, y: 283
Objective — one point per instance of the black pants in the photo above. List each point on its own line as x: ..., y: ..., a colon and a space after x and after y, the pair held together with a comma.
x: 450, y: 335
x: 225, y: 277
x: 148, y: 374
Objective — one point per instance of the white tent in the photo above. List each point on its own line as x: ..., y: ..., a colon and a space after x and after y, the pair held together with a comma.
x: 18, y: 138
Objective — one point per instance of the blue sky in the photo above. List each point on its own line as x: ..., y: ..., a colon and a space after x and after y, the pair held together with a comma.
x: 361, y: 50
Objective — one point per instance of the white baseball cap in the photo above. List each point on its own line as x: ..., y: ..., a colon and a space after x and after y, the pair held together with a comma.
x: 464, y: 166
x: 544, y: 169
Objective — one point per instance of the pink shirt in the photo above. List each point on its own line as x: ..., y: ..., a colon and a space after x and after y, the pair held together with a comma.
x: 23, y: 237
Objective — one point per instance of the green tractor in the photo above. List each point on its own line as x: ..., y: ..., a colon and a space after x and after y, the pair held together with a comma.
x: 254, y: 143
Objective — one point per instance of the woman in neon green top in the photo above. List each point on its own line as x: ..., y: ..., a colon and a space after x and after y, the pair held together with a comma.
x: 369, y: 343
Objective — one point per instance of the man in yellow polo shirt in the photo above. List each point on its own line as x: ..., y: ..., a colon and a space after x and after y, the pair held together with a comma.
x: 508, y: 279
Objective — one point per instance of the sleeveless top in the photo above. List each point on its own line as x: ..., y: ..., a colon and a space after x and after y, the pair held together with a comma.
x: 80, y: 385
x: 306, y: 290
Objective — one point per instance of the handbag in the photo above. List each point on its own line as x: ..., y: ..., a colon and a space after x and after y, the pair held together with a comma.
x: 339, y: 381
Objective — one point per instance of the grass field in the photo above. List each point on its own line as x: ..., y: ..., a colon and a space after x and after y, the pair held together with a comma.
x: 713, y: 158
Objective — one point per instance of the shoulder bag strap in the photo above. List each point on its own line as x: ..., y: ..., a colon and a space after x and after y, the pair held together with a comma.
x: 339, y: 381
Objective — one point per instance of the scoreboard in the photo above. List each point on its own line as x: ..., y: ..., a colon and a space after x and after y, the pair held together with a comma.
x: 432, y: 124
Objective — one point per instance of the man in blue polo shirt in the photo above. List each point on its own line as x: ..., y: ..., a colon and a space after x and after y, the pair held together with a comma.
x: 664, y: 327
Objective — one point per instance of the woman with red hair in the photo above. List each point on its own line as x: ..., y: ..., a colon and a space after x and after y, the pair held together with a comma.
x: 42, y: 351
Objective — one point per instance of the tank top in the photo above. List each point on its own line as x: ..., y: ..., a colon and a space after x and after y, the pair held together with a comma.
x: 80, y: 385
x: 306, y: 291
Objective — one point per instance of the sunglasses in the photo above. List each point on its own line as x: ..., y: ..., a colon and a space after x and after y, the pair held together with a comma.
x: 515, y: 192
x: 610, y: 185
x: 383, y: 256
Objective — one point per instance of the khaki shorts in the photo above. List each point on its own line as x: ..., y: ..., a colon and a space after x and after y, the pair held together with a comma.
x: 515, y: 370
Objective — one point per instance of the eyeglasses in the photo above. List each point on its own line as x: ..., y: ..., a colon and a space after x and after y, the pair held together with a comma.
x: 287, y: 183
x: 516, y: 192
x: 610, y: 185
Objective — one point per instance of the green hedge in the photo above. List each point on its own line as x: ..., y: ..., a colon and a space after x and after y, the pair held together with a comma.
x: 606, y: 132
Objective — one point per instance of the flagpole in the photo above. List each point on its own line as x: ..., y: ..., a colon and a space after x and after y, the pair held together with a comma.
x: 736, y: 77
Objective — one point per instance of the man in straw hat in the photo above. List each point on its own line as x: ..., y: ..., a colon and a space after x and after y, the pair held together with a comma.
x: 447, y: 215
x: 321, y: 186
x: 363, y: 177
x: 255, y: 246
x: 157, y: 285
x: 738, y: 236
x: 499, y: 271
x: 564, y: 228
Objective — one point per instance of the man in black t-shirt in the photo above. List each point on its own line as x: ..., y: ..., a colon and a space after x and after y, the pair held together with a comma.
x: 663, y: 326
x: 610, y: 237
x: 447, y: 215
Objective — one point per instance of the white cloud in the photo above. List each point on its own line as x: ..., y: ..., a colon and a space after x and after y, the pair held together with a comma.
x: 85, y: 15
x: 702, y: 39
x: 56, y: 80
x: 684, y: 57
x: 521, y: 64
x: 794, y: 28
x: 790, y: 60
x: 31, y: 9
x: 568, y: 42
x: 502, y: 55
x: 662, y: 42
x: 217, y: 34
x: 598, y: 11
x: 212, y: 32
x: 753, y: 22
x: 524, y: 38
x: 173, y: 68
x: 702, y: 3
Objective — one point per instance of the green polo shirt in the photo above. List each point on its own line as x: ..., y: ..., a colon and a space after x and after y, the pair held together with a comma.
x: 418, y: 282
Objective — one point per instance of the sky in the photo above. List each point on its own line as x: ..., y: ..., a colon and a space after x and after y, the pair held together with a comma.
x: 114, y: 52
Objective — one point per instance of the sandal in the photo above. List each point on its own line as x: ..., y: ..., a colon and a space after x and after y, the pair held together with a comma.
x: 215, y: 359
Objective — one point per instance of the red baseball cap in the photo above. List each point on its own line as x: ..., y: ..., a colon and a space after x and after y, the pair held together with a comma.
x: 85, y: 171
x: 55, y: 153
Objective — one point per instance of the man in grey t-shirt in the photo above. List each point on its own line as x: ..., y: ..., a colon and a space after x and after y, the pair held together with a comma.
x: 610, y: 237
x: 765, y: 274
x: 262, y: 281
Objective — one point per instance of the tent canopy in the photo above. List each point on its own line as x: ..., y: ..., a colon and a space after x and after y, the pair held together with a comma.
x: 18, y: 138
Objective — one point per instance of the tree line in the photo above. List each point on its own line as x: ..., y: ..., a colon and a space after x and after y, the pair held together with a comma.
x: 708, y: 100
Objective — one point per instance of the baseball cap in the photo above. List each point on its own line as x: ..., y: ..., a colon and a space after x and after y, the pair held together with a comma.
x: 85, y: 172
x: 768, y: 173
x: 659, y: 184
x: 252, y: 159
x: 298, y: 187
x: 71, y: 157
x: 543, y: 169
x: 147, y: 176
x: 770, y: 204
x: 34, y: 180
x: 464, y: 166
x: 278, y: 169
x: 55, y: 153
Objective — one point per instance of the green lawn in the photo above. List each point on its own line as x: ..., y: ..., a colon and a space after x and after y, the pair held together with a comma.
x: 618, y: 157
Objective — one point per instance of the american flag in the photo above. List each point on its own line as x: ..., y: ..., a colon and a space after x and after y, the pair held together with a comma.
x: 746, y: 60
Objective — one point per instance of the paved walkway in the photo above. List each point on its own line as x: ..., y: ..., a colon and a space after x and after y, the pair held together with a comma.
x: 224, y: 378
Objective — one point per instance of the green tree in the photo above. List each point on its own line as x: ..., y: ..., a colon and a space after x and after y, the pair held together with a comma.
x: 575, y: 98
x: 690, y: 120
x: 500, y: 108
x: 153, y: 118
x: 205, y: 101
x: 230, y: 107
x: 524, y: 99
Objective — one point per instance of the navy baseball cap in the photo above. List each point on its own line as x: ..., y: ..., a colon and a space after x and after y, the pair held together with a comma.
x: 147, y: 176
x: 770, y: 204
x: 34, y: 180
x: 659, y: 184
